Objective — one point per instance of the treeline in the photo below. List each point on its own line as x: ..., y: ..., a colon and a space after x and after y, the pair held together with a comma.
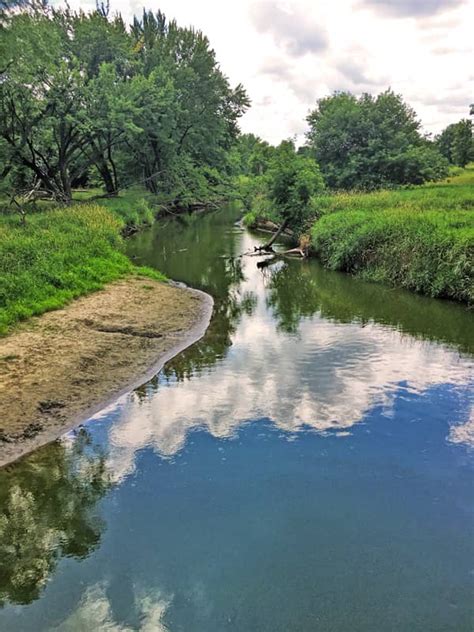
x: 456, y: 143
x: 86, y: 101
x: 349, y: 195
x: 354, y: 143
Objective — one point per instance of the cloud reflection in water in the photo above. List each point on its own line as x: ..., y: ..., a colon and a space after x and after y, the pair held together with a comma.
x: 327, y: 378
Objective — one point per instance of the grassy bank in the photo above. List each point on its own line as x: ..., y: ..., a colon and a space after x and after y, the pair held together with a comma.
x: 59, y: 255
x: 421, y: 238
x: 134, y: 207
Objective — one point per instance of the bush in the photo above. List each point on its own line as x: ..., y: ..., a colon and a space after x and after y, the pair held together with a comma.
x: 131, y: 207
x: 250, y: 219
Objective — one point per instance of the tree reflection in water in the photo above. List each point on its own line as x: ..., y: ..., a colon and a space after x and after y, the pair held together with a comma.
x: 48, y: 510
x: 300, y: 289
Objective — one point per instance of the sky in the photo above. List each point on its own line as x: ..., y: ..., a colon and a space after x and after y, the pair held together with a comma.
x: 290, y: 54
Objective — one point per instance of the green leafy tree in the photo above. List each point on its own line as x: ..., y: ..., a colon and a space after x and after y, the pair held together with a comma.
x: 456, y: 143
x: 41, y: 101
x: 369, y: 142
x: 291, y: 182
x: 200, y: 124
x: 81, y: 96
x: 462, y: 147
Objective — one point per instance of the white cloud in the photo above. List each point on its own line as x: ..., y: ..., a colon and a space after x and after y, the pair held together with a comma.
x: 412, y: 8
x: 418, y: 48
x: 334, y: 397
x: 297, y: 31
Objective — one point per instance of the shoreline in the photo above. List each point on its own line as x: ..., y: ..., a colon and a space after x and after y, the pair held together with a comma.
x: 147, y: 352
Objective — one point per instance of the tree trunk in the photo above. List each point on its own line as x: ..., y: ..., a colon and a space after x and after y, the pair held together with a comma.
x: 268, y: 247
x: 114, y: 170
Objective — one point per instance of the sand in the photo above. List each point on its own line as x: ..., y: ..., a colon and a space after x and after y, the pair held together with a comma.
x: 59, y: 369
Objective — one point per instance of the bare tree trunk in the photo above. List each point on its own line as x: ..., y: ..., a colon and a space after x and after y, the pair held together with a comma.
x: 114, y: 170
x: 268, y: 247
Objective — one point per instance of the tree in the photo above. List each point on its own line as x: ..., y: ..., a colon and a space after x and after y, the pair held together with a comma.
x: 290, y: 183
x: 199, y: 125
x: 456, y: 143
x: 41, y: 102
x: 462, y: 146
x: 81, y: 97
x: 369, y: 142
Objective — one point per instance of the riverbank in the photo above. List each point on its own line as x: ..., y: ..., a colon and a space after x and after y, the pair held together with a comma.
x: 62, y: 367
x: 58, y: 255
x: 418, y: 238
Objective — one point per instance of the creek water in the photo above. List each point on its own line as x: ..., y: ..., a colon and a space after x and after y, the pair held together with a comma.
x: 308, y: 465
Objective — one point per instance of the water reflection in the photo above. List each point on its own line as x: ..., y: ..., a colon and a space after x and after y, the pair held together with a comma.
x: 298, y: 346
x: 343, y: 502
x: 95, y: 612
x: 301, y: 289
x: 49, y: 511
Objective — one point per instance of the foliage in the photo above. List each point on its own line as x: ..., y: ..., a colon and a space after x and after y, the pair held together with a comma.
x: 421, y: 239
x: 456, y: 143
x: 285, y: 191
x: 292, y: 180
x: 371, y: 142
x: 60, y: 254
x: 251, y: 156
x: 145, y: 105
x: 134, y: 207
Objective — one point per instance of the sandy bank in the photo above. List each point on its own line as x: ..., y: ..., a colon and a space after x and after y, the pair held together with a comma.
x: 60, y: 368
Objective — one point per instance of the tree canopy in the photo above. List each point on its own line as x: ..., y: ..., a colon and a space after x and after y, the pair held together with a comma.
x: 456, y: 143
x: 83, y: 99
x: 292, y: 180
x: 368, y: 142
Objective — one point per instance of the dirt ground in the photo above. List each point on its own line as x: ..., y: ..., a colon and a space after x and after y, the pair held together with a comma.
x: 58, y: 369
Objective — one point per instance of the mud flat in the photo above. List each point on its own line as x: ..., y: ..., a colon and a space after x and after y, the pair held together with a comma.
x: 58, y: 369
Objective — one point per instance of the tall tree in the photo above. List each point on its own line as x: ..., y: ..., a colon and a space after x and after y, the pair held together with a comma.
x: 456, y: 143
x: 369, y: 142
x: 81, y: 95
x: 462, y: 147
x: 41, y: 101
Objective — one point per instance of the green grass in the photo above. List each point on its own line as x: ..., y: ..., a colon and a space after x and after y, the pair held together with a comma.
x: 133, y: 206
x: 60, y: 254
x: 419, y: 238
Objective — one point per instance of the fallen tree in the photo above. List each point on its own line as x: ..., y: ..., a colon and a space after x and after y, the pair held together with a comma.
x: 268, y: 247
x: 302, y: 250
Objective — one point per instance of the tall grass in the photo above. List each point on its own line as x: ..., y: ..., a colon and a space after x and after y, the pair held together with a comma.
x: 421, y: 238
x: 59, y: 255
x: 132, y: 206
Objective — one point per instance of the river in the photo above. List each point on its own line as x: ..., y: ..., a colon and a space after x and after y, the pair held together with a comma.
x: 308, y: 465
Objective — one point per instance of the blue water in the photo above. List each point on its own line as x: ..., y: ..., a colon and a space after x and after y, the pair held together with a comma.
x: 307, y: 466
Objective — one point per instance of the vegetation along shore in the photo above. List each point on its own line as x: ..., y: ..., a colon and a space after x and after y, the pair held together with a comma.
x: 370, y: 195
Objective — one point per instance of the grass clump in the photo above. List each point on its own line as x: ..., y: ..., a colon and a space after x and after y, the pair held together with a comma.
x: 60, y: 254
x: 133, y: 206
x: 421, y: 239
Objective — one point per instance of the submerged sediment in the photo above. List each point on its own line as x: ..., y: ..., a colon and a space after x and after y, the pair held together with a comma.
x: 58, y: 369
